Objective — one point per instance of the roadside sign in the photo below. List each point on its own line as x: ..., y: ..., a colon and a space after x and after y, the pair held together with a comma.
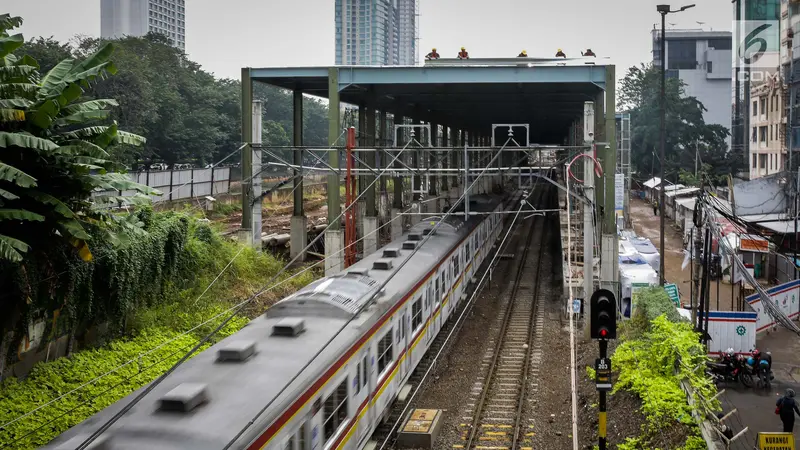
x: 576, y: 306
x: 775, y: 441
x: 602, y: 374
x: 672, y: 292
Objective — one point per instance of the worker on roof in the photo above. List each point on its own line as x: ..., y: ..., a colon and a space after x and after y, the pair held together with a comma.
x: 463, y: 54
x: 432, y: 55
x: 560, y: 54
x: 589, y: 52
x: 523, y: 54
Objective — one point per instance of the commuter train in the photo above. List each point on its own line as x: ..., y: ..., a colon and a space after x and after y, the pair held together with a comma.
x: 322, y: 367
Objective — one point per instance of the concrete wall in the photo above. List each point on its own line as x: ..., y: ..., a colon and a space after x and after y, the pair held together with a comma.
x: 762, y: 196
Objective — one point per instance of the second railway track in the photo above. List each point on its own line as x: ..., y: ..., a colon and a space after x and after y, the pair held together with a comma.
x: 496, y: 409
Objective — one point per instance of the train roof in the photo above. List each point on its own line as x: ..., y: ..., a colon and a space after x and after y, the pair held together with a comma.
x: 227, y: 385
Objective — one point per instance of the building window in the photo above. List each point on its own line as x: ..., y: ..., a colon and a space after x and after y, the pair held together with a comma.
x: 763, y: 105
x: 682, y: 54
x: 709, y: 67
x: 335, y: 410
x: 762, y: 131
x: 755, y: 108
x: 720, y: 44
x: 755, y: 159
x: 762, y: 161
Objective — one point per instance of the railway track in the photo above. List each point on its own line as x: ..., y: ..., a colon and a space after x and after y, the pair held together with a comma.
x: 496, y: 406
x: 384, y: 430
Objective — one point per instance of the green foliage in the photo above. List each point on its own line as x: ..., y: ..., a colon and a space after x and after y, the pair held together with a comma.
x: 48, y: 172
x: 149, y: 354
x: 152, y: 287
x: 650, y: 304
x: 653, y: 365
x: 686, y: 130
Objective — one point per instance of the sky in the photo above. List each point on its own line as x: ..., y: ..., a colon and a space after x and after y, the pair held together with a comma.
x: 224, y: 36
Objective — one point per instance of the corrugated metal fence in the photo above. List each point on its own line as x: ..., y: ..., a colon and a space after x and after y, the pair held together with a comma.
x: 181, y: 184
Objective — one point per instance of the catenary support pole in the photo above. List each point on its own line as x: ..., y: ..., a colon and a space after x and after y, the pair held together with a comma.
x: 299, y: 222
x: 662, y: 144
x: 247, y: 152
x: 256, y: 178
x: 334, y: 238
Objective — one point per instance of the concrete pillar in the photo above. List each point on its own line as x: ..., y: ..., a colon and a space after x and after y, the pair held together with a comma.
x: 246, y: 232
x: 445, y: 158
x: 334, y: 237
x: 299, y: 223
x: 370, y: 235
x: 417, y: 164
x: 380, y: 164
x: 397, y: 200
x: 397, y: 224
x: 433, y: 158
x: 609, y: 272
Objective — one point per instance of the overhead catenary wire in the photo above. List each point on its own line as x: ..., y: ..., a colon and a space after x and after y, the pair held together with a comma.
x: 459, y: 321
x: 376, y: 292
x: 154, y: 349
x: 202, y: 342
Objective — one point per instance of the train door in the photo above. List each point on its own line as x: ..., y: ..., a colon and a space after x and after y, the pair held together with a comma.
x: 361, y: 394
x: 402, y: 343
x: 427, y: 297
x: 435, y: 309
x: 369, y: 362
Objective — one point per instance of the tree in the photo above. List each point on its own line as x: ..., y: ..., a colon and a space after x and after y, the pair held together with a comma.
x: 46, y: 51
x: 54, y: 155
x: 687, y: 133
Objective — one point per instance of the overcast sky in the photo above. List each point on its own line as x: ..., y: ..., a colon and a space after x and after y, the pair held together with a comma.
x: 225, y: 35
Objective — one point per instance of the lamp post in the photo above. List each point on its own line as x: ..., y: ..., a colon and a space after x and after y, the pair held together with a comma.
x: 663, y: 10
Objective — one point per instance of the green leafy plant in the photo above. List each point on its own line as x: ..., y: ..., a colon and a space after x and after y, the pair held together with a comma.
x: 55, y: 156
x: 659, y: 351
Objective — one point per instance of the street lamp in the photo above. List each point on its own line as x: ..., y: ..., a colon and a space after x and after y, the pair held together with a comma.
x: 664, y: 10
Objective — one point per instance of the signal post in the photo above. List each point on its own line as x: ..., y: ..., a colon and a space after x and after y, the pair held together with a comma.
x: 603, y: 327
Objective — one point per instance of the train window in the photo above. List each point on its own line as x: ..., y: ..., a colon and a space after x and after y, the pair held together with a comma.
x: 357, y: 380
x: 456, y: 265
x: 335, y: 410
x: 289, y: 444
x: 403, y: 325
x: 438, y: 291
x: 467, y: 248
x: 302, y: 436
x: 416, y: 314
x: 385, y: 352
x: 364, y: 372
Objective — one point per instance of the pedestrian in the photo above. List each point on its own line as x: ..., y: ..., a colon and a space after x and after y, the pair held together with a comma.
x: 786, y: 407
x: 655, y: 208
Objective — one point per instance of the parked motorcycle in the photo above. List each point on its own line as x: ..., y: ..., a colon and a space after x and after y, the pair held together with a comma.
x: 730, y: 368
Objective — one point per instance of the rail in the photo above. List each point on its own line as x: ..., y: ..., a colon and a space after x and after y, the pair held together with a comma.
x: 509, y: 334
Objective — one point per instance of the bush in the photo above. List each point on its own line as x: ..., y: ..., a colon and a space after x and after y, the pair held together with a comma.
x: 48, y: 381
x: 172, y: 268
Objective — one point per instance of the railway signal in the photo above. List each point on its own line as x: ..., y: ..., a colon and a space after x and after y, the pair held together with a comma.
x: 603, y: 323
x: 603, y: 327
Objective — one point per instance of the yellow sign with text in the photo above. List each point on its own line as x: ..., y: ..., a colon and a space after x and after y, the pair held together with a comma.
x: 775, y: 441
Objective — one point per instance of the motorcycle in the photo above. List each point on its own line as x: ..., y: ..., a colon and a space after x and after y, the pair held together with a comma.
x: 760, y: 366
x: 730, y: 368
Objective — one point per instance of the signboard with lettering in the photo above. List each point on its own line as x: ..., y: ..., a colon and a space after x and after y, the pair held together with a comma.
x: 421, y: 421
x: 775, y: 441
x: 619, y: 193
x: 602, y: 374
x: 672, y: 293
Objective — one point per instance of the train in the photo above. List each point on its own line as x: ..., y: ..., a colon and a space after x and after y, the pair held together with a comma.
x: 321, y: 368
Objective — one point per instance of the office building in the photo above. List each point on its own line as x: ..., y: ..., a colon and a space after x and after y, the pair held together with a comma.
x: 120, y: 18
x: 376, y: 32
x: 703, y: 60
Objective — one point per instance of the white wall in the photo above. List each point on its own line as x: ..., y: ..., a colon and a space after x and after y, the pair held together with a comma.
x: 715, y: 94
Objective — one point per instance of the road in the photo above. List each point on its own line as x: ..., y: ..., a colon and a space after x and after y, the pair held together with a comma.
x: 646, y: 224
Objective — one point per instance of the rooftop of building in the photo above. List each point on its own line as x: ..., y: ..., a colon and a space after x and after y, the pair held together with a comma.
x: 688, y: 33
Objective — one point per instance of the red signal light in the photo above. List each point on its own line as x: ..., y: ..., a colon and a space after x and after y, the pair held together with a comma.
x: 603, y: 332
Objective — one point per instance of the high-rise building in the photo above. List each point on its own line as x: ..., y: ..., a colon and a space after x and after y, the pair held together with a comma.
x: 703, y: 60
x: 376, y: 32
x: 120, y: 18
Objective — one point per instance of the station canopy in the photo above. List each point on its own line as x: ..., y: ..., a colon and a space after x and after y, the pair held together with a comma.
x: 470, y: 95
